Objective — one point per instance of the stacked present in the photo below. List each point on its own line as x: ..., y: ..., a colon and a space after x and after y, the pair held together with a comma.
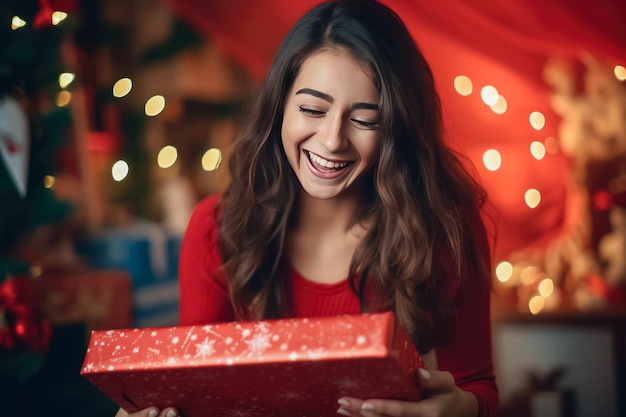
x: 100, y: 299
x: 281, y: 367
x: 149, y: 253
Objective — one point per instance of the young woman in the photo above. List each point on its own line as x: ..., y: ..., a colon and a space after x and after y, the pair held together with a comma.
x: 344, y: 199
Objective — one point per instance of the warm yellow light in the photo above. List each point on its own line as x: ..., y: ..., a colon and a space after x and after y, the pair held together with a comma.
x: 211, y: 159
x: 536, y: 304
x: 529, y: 275
x: 48, y: 181
x: 17, y: 22
x: 167, y: 156
x: 64, y: 98
x: 155, y: 105
x: 492, y: 159
x: 122, y: 87
x: 489, y: 95
x: 66, y: 79
x: 552, y: 145
x: 500, y: 106
x: 537, y: 150
x: 504, y: 271
x: 58, y: 17
x: 119, y: 171
x: 546, y: 287
x: 537, y: 120
x: 36, y: 271
x: 463, y: 85
x: 620, y: 72
x: 532, y: 197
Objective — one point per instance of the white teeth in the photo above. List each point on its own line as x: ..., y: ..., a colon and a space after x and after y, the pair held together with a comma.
x: 323, y: 162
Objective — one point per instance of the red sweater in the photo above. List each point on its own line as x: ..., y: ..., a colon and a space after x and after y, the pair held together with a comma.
x: 204, y: 299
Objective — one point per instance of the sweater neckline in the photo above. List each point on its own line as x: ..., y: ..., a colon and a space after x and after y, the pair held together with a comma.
x: 301, y: 280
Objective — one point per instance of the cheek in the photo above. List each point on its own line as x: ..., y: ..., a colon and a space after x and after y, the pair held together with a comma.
x: 370, y: 151
x: 286, y: 133
x: 289, y: 139
x: 289, y: 130
x: 294, y: 131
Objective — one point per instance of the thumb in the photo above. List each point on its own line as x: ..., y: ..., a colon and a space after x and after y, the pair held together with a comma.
x: 435, y: 380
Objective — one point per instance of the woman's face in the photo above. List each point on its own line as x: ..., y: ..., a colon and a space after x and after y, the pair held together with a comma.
x: 330, y: 124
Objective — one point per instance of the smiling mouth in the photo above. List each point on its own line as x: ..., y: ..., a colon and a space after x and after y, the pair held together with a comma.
x: 324, y: 165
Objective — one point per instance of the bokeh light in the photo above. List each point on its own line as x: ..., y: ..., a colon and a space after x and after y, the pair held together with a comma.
x: 537, y: 120
x: 546, y: 287
x: 17, y: 22
x: 536, y: 304
x: 537, y: 150
x: 64, y: 98
x: 504, y: 271
x: 489, y: 95
x: 155, y: 105
x: 167, y: 156
x: 122, y: 87
x: 66, y: 79
x: 463, y: 85
x: 120, y: 170
x: 532, y: 197
x: 58, y: 17
x: 492, y: 159
x: 552, y: 145
x: 211, y: 159
x: 500, y: 106
x: 48, y: 181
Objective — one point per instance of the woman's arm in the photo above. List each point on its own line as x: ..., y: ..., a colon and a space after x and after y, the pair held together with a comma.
x: 465, y: 384
x: 203, y: 288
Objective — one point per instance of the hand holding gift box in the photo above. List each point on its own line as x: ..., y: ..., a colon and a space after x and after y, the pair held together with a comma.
x: 286, y: 367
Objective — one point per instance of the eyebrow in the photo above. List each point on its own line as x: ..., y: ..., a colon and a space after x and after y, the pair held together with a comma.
x: 330, y: 99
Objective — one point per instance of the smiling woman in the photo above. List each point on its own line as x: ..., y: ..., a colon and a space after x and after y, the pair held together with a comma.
x: 344, y: 199
x: 330, y: 122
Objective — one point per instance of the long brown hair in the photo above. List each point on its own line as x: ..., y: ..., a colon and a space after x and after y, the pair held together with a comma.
x: 423, y: 201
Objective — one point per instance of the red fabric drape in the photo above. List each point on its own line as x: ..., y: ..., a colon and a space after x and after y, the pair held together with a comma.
x: 505, y: 44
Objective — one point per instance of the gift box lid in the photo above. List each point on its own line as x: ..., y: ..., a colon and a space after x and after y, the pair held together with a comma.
x: 282, y: 367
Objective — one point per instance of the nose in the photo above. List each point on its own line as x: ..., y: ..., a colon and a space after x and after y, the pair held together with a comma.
x: 333, y: 135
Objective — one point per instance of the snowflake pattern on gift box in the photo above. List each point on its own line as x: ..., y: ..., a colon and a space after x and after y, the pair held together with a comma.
x: 292, y: 396
x: 205, y: 348
x: 237, y: 412
x: 260, y: 340
x: 348, y: 384
x: 286, y: 365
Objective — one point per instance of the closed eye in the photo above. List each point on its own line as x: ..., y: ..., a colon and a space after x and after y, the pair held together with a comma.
x: 311, y: 112
x: 365, y: 125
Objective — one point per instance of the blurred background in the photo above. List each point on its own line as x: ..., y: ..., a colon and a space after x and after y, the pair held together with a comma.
x: 116, y: 119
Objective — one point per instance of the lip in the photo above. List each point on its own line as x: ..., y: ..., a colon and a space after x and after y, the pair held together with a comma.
x: 327, y: 175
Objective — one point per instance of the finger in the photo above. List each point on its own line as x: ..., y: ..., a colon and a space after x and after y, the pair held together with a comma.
x: 146, y: 412
x: 390, y: 408
x: 349, y: 406
x: 396, y: 408
x: 436, y: 380
x: 169, y: 412
x: 355, y: 407
x: 121, y: 413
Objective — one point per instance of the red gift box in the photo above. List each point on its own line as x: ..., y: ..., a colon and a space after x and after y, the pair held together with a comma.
x: 100, y: 298
x: 283, y: 367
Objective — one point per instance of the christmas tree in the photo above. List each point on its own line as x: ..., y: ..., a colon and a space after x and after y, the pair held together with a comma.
x: 34, y: 122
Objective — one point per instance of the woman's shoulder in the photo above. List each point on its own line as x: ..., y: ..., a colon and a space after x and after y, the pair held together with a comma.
x: 207, y: 205
x: 202, y: 224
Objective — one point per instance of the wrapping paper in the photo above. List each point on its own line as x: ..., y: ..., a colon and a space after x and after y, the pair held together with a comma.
x: 99, y: 298
x: 270, y: 368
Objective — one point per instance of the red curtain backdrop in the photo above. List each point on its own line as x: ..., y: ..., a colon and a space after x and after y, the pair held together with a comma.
x: 501, y: 43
